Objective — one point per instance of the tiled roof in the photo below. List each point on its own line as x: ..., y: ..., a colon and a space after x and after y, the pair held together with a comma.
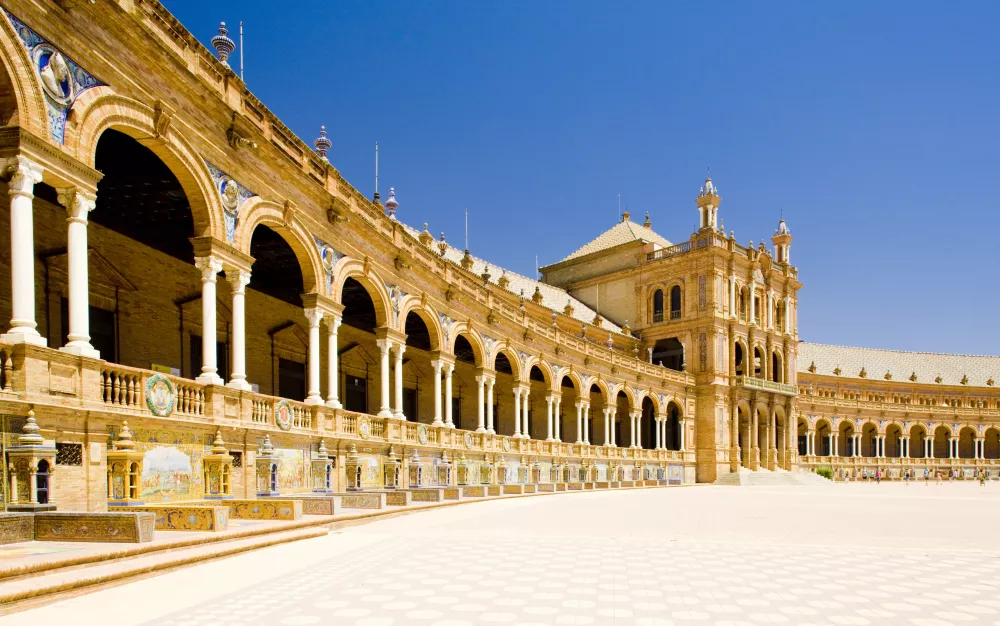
x: 552, y: 297
x: 926, y: 365
x: 625, y: 231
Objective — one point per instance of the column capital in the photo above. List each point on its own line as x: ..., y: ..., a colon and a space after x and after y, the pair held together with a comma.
x: 333, y: 321
x: 77, y: 201
x: 314, y: 316
x: 383, y: 345
x: 399, y: 348
x: 327, y: 305
x: 442, y: 357
x: 391, y: 334
x: 209, y: 266
x: 238, y: 279
x: 23, y: 174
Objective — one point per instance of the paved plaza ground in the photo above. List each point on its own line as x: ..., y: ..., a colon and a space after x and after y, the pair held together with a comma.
x: 829, y: 554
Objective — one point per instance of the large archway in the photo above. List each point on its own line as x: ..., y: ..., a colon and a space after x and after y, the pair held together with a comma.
x: 564, y: 421
x: 673, y: 427
x: 359, y: 354
x: 539, y: 385
x: 669, y: 353
x: 648, y: 424
x: 507, y: 377
x: 918, y: 441
x: 465, y: 413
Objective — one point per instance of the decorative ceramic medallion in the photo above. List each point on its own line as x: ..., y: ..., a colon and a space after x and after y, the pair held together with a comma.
x: 468, y: 440
x: 232, y: 195
x: 506, y: 445
x: 624, y: 453
x: 62, y: 79
x: 364, y: 427
x: 160, y: 395
x: 422, y: 434
x: 598, y: 452
x: 283, y: 414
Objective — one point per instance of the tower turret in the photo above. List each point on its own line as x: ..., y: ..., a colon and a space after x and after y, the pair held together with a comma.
x: 708, y: 205
x: 782, y: 243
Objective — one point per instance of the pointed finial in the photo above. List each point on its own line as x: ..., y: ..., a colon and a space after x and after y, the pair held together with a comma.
x: 124, y: 441
x: 646, y: 223
x: 266, y: 448
x: 30, y: 430
x: 442, y: 244
x: 322, y: 143
x: 391, y: 203
x: 392, y: 453
x: 223, y: 45
x: 323, y: 453
x: 219, y: 446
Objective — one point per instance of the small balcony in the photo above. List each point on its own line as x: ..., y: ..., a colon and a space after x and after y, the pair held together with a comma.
x: 750, y: 382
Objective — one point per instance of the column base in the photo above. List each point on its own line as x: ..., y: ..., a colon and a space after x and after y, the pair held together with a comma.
x: 480, y: 430
x: 209, y: 378
x: 437, y: 422
x: 490, y: 431
x: 24, y: 335
x: 334, y: 404
x: 385, y: 413
x: 239, y: 383
x: 81, y: 348
x: 313, y: 401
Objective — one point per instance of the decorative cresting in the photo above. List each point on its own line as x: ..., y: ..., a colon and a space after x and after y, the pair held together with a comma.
x: 283, y: 414
x: 62, y: 79
x: 353, y: 468
x: 268, y: 463
x: 329, y: 257
x: 390, y: 469
x: 322, y: 470
x: 218, y: 470
x: 29, y: 465
x: 161, y: 396
x: 232, y: 195
x: 124, y: 470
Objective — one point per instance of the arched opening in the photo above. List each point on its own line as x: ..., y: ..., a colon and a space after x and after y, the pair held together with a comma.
x: 596, y: 429
x: 991, y: 444
x: 648, y: 425
x: 503, y: 393
x: 918, y: 435
x: 134, y: 481
x: 675, y: 302
x: 564, y: 422
x: 869, y: 440
x: 622, y: 419
x: 824, y: 438
x: 8, y: 100
x: 758, y: 362
x: 894, y: 441
x: 669, y: 353
x: 967, y: 443
x: 673, y: 428
x: 845, y: 439
x: 540, y: 384
x: 942, y: 437
x: 803, y: 437
x: 464, y: 411
x: 743, y: 304
x: 658, y: 305
x: 358, y: 352
x: 275, y: 275
x: 739, y: 357
x: 42, y: 482
x: 418, y: 401
x: 777, y: 372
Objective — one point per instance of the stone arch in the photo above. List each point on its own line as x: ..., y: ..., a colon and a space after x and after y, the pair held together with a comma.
x: 414, y: 304
x: 473, y: 337
x: 630, y: 395
x: 27, y: 90
x: 573, y: 377
x: 512, y: 357
x: 542, y: 365
x: 741, y: 358
x: 99, y: 109
x: 348, y: 267
x: 259, y: 212
x: 602, y: 388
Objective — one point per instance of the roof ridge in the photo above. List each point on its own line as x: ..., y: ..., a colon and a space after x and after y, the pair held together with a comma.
x: 830, y: 345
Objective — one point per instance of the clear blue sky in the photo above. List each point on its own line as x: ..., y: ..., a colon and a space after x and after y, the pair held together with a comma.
x: 872, y: 125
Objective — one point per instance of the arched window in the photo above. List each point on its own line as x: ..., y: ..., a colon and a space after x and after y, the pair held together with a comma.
x: 42, y: 482
x: 743, y: 304
x: 675, y: 302
x: 658, y: 305
x: 134, y: 481
x: 776, y: 373
x: 739, y: 359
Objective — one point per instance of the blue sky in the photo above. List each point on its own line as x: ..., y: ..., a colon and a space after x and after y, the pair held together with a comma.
x: 872, y: 126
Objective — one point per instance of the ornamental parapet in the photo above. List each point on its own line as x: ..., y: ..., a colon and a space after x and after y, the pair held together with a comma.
x: 760, y: 384
x: 865, y: 406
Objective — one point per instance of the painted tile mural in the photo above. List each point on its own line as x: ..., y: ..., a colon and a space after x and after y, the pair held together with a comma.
x: 171, y: 463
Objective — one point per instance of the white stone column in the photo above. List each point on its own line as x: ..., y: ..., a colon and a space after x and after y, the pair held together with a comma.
x: 681, y: 424
x: 436, y: 364
x: 733, y: 307
x: 833, y: 444
x: 385, y: 410
x: 953, y: 448
x: 579, y: 421
x: 78, y: 206
x: 752, y: 309
x: 480, y: 404
x: 517, y: 411
x: 449, y: 420
x: 238, y: 281
x: 557, y: 417
x: 611, y: 430
x: 657, y: 441
x: 635, y: 443
x: 398, y: 350
x: 586, y: 424
x: 209, y: 267
x: 489, y: 405
x: 525, y: 426
x: 550, y: 433
x: 315, y: 316
x: 24, y: 175
x: 333, y: 363
x: 607, y: 426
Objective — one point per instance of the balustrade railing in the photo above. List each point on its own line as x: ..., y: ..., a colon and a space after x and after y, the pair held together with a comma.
x: 766, y: 385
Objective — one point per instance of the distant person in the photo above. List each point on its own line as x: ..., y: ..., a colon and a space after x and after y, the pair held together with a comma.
x: 982, y: 478
x: 938, y: 473
x: 927, y: 477
x: 878, y: 476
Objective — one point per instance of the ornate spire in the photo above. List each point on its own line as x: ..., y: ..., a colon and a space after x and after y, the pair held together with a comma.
x: 442, y: 244
x: 124, y: 441
x: 223, y: 45
x: 391, y: 204
x: 646, y: 223
x: 219, y: 446
x: 467, y: 260
x: 782, y: 228
x: 322, y: 453
x: 30, y: 430
x: 266, y: 448
x: 322, y: 143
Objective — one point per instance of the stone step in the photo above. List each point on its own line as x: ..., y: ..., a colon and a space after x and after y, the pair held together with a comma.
x: 17, y: 593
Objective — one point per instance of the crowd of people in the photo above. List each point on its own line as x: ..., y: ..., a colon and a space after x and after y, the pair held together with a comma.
x: 878, y: 474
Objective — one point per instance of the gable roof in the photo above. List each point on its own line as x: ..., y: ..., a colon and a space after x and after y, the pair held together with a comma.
x: 625, y: 231
x: 926, y: 365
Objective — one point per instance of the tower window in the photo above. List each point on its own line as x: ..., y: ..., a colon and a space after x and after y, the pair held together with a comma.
x: 658, y: 305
